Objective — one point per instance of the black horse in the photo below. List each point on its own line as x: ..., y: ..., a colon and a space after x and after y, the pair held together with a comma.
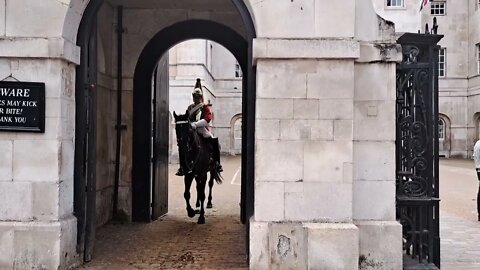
x: 195, y: 158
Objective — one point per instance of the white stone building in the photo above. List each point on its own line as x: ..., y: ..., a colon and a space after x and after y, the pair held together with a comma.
x: 459, y: 71
x: 318, y: 154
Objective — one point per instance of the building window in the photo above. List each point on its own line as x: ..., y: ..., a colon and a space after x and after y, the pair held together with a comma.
x: 442, y: 62
x: 237, y: 129
x: 478, y: 56
x: 238, y: 71
x: 441, y: 129
x: 395, y: 3
x: 477, y: 123
x: 438, y: 8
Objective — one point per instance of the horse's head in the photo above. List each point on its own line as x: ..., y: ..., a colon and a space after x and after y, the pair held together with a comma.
x: 182, y: 128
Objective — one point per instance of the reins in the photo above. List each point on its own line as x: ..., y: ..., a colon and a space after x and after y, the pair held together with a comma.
x: 195, y: 161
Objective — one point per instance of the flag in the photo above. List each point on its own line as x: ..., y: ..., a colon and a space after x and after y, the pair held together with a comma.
x: 424, y: 3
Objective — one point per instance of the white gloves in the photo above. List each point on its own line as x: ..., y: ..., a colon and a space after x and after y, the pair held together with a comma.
x: 199, y: 124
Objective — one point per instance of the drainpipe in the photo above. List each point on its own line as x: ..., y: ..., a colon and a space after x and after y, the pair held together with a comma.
x: 119, y: 127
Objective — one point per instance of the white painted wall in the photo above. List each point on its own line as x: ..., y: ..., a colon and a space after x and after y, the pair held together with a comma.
x: 460, y: 87
x: 406, y: 18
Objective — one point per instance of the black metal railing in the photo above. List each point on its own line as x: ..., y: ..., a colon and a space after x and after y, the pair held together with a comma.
x: 417, y: 150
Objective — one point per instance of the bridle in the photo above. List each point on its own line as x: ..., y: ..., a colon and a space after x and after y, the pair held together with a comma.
x: 189, y: 165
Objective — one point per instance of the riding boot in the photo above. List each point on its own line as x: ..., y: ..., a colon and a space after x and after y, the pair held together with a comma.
x: 216, y: 154
x: 180, y: 171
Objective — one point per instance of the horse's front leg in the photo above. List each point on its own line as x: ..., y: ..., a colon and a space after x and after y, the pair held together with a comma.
x: 201, y: 183
x: 210, y: 186
x: 188, y: 183
x: 197, y: 204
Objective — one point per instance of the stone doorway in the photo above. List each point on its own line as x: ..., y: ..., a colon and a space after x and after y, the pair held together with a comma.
x: 134, y: 195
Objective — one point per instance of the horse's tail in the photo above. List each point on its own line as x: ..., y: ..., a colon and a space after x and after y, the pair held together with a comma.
x: 217, y: 176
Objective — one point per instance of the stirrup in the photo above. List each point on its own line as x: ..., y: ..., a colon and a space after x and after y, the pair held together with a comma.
x: 180, y: 172
x: 219, y: 167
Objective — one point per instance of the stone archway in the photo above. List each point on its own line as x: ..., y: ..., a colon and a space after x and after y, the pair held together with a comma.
x: 476, y: 121
x: 234, y: 133
x: 159, y: 45
x: 139, y: 129
x: 317, y: 181
x: 444, y: 135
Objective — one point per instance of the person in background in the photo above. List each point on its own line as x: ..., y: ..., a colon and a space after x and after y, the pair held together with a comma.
x: 476, y: 157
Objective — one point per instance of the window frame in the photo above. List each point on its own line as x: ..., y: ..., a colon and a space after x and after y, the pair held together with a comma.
x: 477, y: 48
x: 443, y: 130
x: 238, y: 122
x: 433, y: 6
x: 444, y: 62
x: 401, y: 6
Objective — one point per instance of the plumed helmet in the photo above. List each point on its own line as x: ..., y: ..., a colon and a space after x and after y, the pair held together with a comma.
x: 197, y: 91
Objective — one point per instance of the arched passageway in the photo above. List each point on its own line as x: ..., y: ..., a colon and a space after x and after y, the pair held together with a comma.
x: 145, y: 67
x: 139, y: 201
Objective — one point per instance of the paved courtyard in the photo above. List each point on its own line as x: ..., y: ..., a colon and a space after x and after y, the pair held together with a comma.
x: 459, y: 228
x: 177, y: 242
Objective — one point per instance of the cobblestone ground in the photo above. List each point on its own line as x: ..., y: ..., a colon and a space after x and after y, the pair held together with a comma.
x: 459, y: 228
x: 460, y: 243
x: 176, y: 241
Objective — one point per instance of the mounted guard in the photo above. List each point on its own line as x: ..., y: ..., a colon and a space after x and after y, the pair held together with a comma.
x: 200, y: 116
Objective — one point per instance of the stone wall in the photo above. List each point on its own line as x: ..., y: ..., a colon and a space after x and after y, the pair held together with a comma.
x: 454, y: 87
x: 318, y: 202
x: 36, y: 183
x: 406, y: 18
x: 37, y: 226
x: 458, y: 99
x: 474, y: 75
x: 330, y: 194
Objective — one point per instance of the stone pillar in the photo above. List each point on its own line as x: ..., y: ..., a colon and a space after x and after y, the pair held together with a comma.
x: 304, y: 157
x: 374, y: 166
x: 37, y: 227
x: 325, y: 131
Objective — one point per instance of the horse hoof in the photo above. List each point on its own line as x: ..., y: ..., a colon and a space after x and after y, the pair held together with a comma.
x: 197, y: 211
x: 191, y: 213
x: 201, y: 220
x: 209, y: 206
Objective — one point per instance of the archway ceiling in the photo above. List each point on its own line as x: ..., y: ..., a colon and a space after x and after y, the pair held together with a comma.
x: 200, y: 5
x: 221, y: 11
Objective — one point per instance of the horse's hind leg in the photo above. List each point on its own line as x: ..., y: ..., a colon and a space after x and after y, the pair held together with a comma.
x: 197, y: 205
x: 210, y: 186
x: 201, y: 182
x: 188, y: 183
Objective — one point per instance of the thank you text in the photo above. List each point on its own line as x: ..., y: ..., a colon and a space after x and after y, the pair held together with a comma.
x: 22, y: 106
